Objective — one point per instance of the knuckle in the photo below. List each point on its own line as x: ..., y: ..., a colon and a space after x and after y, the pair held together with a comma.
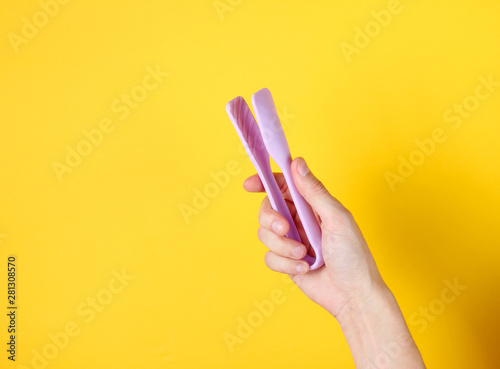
x: 261, y: 215
x: 347, y: 218
x: 337, y: 216
x: 283, y: 187
x: 260, y: 234
x: 341, y: 224
x: 267, y: 259
x: 264, y: 217
x: 318, y: 188
x: 347, y: 214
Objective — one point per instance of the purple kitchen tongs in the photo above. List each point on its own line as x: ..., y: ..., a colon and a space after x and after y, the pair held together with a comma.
x: 267, y: 138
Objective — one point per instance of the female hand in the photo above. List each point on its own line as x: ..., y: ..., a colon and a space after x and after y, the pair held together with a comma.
x: 349, y: 275
x: 349, y: 285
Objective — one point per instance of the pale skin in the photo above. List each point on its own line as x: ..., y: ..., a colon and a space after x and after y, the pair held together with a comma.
x: 349, y: 285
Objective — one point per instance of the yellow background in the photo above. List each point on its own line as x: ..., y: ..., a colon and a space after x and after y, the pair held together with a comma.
x: 120, y: 208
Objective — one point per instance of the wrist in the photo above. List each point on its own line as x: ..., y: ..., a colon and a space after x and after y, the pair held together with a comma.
x: 376, y: 331
x: 367, y: 305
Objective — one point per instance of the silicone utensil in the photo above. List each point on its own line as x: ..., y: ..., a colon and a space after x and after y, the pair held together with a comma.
x: 248, y: 131
x: 277, y: 146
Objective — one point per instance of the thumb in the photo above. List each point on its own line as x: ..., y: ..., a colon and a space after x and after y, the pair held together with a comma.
x: 313, y: 191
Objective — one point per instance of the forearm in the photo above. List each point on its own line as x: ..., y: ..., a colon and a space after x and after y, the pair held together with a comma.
x: 377, y: 334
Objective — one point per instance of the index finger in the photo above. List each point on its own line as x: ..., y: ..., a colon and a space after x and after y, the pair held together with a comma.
x: 254, y: 184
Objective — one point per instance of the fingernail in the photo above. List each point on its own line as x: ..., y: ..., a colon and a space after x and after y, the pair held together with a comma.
x: 297, y: 251
x: 277, y: 227
x: 303, y: 169
x: 301, y: 268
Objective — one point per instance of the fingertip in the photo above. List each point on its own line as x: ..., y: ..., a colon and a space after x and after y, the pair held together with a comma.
x: 249, y: 183
x: 246, y: 184
x: 253, y: 184
x: 299, y: 166
x: 271, y: 219
x: 295, y: 162
x: 286, y: 265
x: 286, y: 226
x: 280, y: 226
x: 299, y: 252
x: 302, y: 267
